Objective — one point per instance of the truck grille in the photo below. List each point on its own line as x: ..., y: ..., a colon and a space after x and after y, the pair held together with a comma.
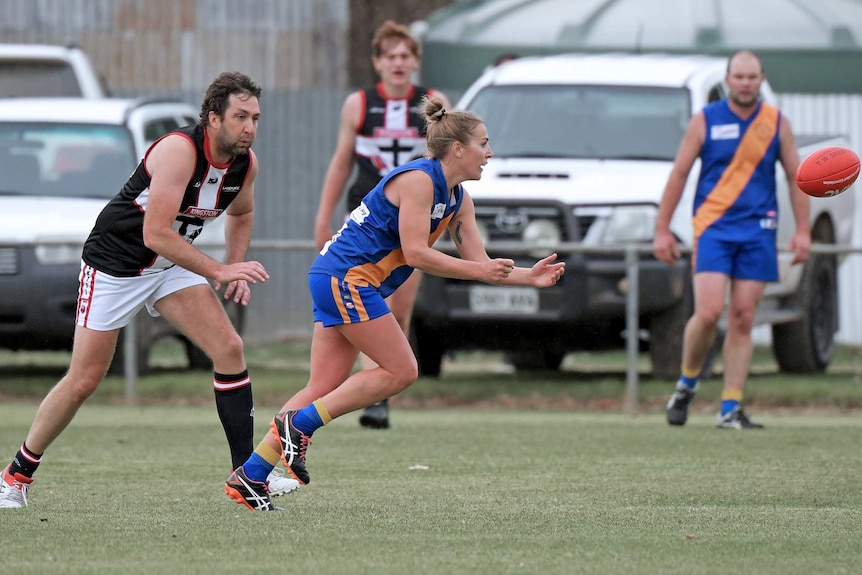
x: 8, y: 261
x: 507, y: 223
x: 584, y: 224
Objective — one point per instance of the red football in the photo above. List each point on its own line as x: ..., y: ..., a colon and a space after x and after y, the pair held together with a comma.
x: 828, y: 171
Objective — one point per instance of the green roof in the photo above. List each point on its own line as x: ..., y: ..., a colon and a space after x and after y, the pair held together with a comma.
x: 805, y: 46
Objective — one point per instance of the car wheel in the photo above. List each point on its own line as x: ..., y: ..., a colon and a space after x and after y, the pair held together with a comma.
x: 807, y: 344
x: 428, y: 347
x: 666, y: 329
x: 198, y: 360
x: 547, y: 360
x: 142, y: 348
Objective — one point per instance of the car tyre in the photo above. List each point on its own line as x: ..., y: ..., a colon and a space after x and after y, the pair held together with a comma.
x: 428, y: 347
x: 542, y: 360
x: 666, y: 332
x: 144, y: 337
x: 807, y: 344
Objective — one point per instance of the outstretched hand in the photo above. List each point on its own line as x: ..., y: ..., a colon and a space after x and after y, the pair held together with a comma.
x: 237, y: 277
x: 546, y: 273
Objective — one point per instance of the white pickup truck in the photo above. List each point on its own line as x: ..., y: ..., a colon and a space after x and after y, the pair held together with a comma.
x: 48, y: 70
x: 61, y: 161
x: 583, y: 147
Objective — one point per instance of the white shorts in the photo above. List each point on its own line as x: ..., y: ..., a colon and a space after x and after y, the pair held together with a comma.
x: 106, y: 302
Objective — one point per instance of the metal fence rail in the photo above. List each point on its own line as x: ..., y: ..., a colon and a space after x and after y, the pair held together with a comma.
x: 633, y: 254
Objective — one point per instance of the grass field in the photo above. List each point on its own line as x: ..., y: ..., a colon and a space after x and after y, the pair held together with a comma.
x: 139, y: 490
x: 554, y: 479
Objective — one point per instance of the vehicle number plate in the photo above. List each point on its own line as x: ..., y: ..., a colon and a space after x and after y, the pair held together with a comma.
x: 487, y: 299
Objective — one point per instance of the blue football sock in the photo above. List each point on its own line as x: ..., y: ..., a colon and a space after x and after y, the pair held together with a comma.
x: 307, y: 419
x: 728, y: 405
x: 689, y: 382
x: 257, y: 468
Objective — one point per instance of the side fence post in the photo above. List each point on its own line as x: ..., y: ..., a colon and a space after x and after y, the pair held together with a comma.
x: 632, y: 327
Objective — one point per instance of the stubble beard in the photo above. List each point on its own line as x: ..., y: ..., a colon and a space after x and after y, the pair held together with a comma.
x: 747, y: 103
x: 231, y: 148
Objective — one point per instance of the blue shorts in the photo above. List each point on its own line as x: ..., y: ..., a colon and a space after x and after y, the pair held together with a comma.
x: 337, y: 302
x: 752, y: 259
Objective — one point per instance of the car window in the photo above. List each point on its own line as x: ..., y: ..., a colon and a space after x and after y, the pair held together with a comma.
x: 625, y: 122
x: 64, y: 160
x: 158, y: 127
x: 715, y: 93
x: 22, y: 78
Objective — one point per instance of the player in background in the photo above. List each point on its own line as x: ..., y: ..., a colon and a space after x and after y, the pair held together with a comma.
x: 738, y: 140
x: 390, y: 234
x: 381, y: 128
x: 140, y: 253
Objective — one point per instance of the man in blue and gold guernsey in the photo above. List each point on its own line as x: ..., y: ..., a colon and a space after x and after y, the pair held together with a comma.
x: 738, y: 140
x: 389, y: 235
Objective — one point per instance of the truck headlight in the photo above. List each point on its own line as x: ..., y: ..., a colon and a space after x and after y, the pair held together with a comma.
x: 544, y: 234
x: 628, y: 224
x: 56, y: 254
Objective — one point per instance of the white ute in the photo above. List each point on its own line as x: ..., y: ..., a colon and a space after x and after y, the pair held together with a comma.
x: 48, y: 70
x: 583, y: 147
x: 61, y: 161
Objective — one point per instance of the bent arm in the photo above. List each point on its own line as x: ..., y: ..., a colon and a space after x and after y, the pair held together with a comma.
x: 339, y: 169
x: 239, y: 222
x: 414, y: 192
x: 171, y: 164
x: 800, y: 243
x: 687, y: 154
x: 465, y: 233
x: 789, y: 158
x: 665, y: 248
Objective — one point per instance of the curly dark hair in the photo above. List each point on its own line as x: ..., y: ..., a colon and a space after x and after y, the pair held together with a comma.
x: 218, y: 93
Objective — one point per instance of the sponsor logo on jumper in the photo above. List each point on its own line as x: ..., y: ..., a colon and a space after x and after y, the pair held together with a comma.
x: 396, y: 133
x: 230, y: 189
x: 201, y: 212
x: 360, y: 213
x: 724, y: 132
x: 198, y: 184
x: 212, y: 181
x: 770, y: 222
x: 438, y: 211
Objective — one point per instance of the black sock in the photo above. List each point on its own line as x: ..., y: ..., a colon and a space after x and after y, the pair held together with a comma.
x: 26, y: 462
x: 236, y: 411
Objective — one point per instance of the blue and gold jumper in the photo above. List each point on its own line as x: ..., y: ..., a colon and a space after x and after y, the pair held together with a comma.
x: 363, y: 262
x: 735, y: 205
